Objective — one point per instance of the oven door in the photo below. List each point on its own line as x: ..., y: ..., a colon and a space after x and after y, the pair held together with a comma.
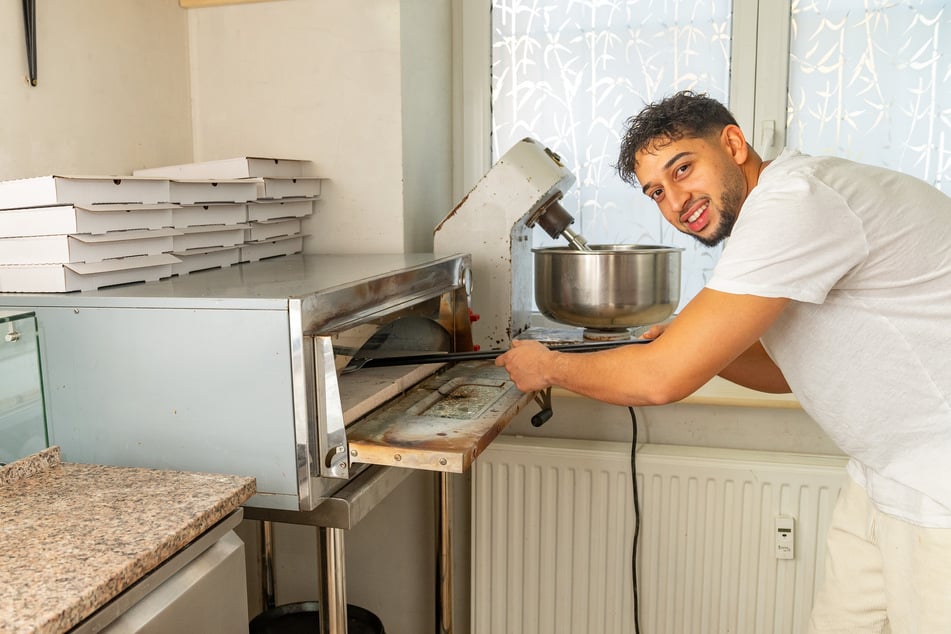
x: 435, y: 416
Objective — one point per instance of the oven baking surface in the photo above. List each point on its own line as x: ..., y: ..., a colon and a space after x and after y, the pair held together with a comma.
x: 443, y: 423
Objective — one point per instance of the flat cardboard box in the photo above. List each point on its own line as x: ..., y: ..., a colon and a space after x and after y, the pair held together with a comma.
x: 238, y: 167
x: 202, y: 260
x: 264, y: 210
x: 272, y: 229
x: 254, y: 251
x: 62, y: 278
x: 91, y: 219
x: 196, y: 192
x: 214, y: 214
x: 65, y: 249
x: 208, y: 237
x: 275, y: 188
x: 81, y: 190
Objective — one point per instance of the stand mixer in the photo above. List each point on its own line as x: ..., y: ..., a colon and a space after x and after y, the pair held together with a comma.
x: 603, y: 289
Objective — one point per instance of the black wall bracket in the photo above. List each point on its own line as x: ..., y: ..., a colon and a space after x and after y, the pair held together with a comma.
x: 29, y: 23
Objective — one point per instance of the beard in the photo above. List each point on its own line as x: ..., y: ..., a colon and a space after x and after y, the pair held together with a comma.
x: 729, y: 208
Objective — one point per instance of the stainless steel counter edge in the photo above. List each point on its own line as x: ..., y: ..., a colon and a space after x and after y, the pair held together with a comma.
x: 346, y: 507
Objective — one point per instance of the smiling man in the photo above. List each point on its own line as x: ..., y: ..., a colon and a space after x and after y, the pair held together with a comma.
x: 835, y: 284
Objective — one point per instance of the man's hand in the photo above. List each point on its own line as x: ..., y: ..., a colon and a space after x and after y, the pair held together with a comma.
x: 654, y: 331
x: 526, y: 362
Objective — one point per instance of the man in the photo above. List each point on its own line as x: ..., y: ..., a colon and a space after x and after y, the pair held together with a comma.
x: 835, y: 283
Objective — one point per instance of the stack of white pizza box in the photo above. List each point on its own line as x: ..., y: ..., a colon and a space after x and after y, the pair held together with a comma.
x: 72, y: 233
x: 284, y: 196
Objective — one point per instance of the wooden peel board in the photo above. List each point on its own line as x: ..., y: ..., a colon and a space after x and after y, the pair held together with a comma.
x: 443, y: 423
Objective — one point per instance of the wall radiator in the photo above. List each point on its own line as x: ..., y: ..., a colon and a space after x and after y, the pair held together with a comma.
x: 553, y: 527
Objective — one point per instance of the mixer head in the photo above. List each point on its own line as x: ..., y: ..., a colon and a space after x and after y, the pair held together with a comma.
x: 555, y: 219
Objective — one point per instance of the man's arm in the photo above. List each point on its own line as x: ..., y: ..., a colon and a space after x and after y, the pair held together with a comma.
x: 709, y: 334
x: 755, y: 369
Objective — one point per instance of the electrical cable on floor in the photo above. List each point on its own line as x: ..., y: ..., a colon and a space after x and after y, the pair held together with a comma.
x: 637, y: 519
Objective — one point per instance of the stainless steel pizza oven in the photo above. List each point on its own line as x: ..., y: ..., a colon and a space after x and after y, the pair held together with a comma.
x: 240, y: 370
x: 246, y: 370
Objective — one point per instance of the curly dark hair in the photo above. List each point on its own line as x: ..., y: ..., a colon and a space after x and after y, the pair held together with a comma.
x: 684, y: 114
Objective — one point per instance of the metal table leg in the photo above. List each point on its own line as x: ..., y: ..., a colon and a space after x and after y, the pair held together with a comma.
x: 333, y: 582
x: 443, y: 554
x: 267, y: 564
x: 341, y: 512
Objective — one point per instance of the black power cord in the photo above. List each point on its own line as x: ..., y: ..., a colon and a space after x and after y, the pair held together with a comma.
x: 637, y: 519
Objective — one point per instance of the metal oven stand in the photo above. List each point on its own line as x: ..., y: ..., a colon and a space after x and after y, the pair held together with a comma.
x: 341, y: 512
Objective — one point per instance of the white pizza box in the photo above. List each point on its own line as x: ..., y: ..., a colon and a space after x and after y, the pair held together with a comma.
x: 195, y: 192
x: 84, y: 276
x: 203, y: 259
x: 94, y: 219
x: 65, y: 249
x: 270, y: 229
x: 81, y: 190
x: 264, y: 210
x: 238, y: 167
x: 254, y: 251
x: 212, y: 214
x: 209, y: 236
x: 306, y: 187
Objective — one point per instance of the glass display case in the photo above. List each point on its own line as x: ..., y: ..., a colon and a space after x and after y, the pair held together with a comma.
x: 23, y: 428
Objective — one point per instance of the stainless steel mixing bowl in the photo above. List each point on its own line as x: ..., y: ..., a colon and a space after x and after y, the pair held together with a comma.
x: 610, y: 287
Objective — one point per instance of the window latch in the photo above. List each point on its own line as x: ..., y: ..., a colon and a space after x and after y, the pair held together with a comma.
x: 768, y: 133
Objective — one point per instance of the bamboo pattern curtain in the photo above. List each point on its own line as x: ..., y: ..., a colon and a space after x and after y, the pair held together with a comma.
x: 871, y: 80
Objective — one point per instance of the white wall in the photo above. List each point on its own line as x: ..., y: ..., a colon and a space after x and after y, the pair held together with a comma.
x: 112, y: 88
x: 352, y: 86
x: 426, y: 45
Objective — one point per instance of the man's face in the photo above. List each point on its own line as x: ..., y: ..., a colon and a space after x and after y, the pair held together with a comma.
x: 697, y: 185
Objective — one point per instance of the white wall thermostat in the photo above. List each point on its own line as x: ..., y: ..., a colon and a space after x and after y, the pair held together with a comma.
x: 785, y: 537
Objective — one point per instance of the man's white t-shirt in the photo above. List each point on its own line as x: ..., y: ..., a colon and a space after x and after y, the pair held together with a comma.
x: 865, y: 345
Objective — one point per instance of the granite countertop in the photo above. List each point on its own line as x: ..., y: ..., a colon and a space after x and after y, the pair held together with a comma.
x: 73, y: 536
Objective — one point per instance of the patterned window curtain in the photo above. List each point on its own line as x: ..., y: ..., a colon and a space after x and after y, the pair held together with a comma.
x: 568, y: 73
x: 870, y: 80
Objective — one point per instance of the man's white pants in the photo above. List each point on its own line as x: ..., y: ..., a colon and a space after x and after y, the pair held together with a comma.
x: 882, y: 574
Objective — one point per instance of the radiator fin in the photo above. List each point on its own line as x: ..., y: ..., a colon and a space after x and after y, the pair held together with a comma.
x: 553, y: 529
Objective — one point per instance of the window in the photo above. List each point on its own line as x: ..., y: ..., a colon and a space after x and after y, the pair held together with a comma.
x: 864, y: 79
x: 869, y: 80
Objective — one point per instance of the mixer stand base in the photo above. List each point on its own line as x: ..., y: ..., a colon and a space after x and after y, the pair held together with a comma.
x: 591, y: 334
x: 572, y: 335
